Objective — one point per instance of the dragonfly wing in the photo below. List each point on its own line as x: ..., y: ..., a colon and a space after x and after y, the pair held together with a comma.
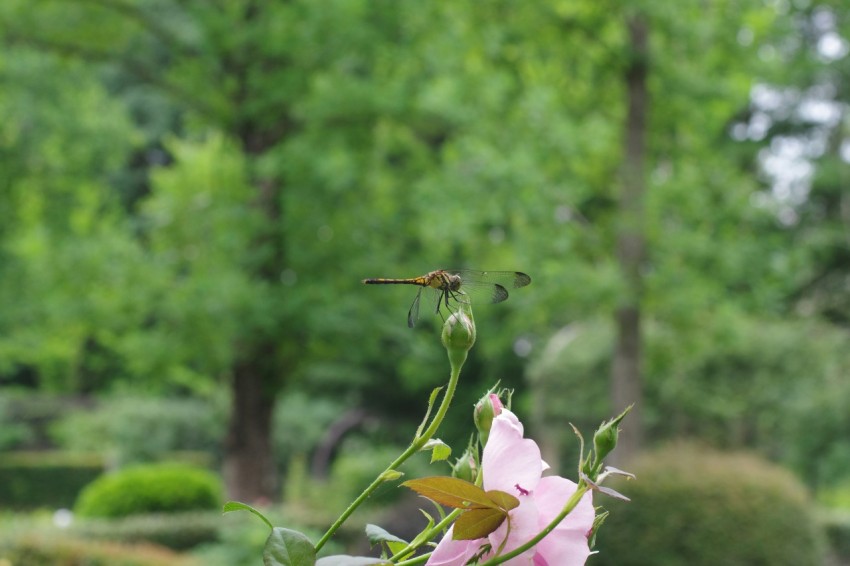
x: 499, y: 293
x: 413, y: 313
x: 521, y: 279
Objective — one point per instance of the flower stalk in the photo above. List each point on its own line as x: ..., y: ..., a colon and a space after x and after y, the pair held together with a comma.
x: 458, y: 337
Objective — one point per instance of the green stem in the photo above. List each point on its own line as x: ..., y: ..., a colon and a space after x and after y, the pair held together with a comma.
x: 581, y: 489
x: 427, y: 535
x: 431, y: 533
x: 414, y: 447
x: 418, y: 560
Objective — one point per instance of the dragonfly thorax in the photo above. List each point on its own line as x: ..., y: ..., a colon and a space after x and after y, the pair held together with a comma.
x: 444, y: 281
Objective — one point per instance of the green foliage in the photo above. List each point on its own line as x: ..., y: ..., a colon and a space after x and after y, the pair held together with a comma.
x: 228, y: 540
x: 63, y: 259
x: 736, y: 380
x: 178, y: 531
x: 39, y: 550
x: 836, y: 525
x: 45, y: 479
x: 576, y: 358
x: 152, y: 488
x: 287, y: 547
x: 28, y: 415
x: 242, y: 538
x: 203, y: 239
x: 241, y: 543
x: 386, y: 138
x: 836, y: 496
x: 774, y: 385
x: 143, y: 429
x: 300, y: 423
x: 691, y: 505
x: 14, y: 431
x: 353, y: 468
x: 358, y: 464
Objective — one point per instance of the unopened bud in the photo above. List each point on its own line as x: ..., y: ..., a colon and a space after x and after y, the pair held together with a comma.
x: 466, y: 468
x: 459, y: 335
x: 486, y: 409
x: 605, y: 438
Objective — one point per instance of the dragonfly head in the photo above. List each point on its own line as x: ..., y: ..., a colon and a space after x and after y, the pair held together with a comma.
x: 452, y: 281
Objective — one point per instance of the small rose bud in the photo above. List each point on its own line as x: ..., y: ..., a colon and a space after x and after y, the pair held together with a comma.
x: 459, y: 335
x: 466, y: 468
x: 605, y: 438
x: 486, y: 409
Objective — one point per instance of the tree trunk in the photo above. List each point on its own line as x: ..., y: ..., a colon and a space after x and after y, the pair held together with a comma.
x: 249, y: 469
x: 626, y: 383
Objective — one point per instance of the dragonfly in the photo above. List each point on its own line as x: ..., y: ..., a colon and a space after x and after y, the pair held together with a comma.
x: 457, y: 285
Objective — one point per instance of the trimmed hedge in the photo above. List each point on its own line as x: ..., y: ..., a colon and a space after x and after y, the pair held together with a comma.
x: 137, y: 430
x: 29, y: 480
x: 177, y: 531
x: 150, y: 488
x: 702, y: 508
x: 53, y: 551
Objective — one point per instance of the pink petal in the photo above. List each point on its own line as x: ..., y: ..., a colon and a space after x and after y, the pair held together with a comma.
x: 450, y: 552
x: 567, y: 544
x: 552, y: 494
x: 522, y: 528
x: 497, y: 403
x: 562, y: 550
x: 509, y: 459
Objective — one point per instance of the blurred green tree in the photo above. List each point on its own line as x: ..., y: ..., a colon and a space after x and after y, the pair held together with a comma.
x: 279, y: 152
x: 301, y: 124
x: 66, y: 256
x: 796, y: 129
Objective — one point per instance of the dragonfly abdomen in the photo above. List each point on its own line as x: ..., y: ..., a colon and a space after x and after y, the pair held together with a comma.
x: 421, y: 281
x: 436, y: 279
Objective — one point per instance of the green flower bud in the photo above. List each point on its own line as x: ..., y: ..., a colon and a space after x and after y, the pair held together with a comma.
x: 485, y: 411
x: 605, y: 438
x: 466, y: 467
x: 459, y: 335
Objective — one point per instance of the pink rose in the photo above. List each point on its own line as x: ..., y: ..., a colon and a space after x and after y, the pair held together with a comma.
x: 513, y: 464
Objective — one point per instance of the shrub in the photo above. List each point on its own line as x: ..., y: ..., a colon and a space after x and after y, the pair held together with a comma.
x: 356, y: 465
x: 837, y: 527
x: 178, y: 531
x: 137, y: 430
x: 53, y: 550
x: 242, y: 538
x: 700, y: 507
x: 300, y: 423
x: 150, y: 488
x: 13, y: 432
x: 836, y: 496
x: 45, y: 479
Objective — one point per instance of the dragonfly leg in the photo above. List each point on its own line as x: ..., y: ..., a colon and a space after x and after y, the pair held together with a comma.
x: 443, y: 297
x: 458, y: 297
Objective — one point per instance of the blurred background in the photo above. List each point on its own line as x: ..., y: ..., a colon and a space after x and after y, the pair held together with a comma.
x: 193, y: 190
